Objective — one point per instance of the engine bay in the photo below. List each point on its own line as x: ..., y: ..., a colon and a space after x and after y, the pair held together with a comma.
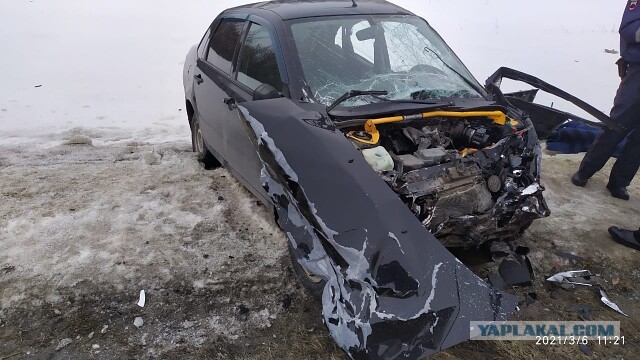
x: 469, y: 179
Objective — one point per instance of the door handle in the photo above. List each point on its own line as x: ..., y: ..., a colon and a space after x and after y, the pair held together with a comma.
x: 231, y: 103
x: 199, y: 79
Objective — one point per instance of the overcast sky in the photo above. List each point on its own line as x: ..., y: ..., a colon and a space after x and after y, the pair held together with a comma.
x: 119, y: 62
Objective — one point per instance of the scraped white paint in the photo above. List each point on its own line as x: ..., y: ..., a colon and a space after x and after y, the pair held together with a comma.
x: 391, y: 235
x: 432, y: 295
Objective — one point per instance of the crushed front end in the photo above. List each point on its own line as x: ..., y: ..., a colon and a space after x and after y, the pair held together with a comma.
x: 390, y: 288
x: 471, y: 177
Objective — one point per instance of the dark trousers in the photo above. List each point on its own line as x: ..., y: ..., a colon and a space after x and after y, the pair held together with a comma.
x: 626, y: 111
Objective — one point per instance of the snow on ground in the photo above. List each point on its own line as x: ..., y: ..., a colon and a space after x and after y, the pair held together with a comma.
x: 100, y: 196
x: 85, y: 228
x: 112, y: 66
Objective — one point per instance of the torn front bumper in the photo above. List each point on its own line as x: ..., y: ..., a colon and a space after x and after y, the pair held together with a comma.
x: 369, y: 326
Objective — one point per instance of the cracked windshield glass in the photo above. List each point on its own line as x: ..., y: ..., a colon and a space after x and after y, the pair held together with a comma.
x: 399, y: 54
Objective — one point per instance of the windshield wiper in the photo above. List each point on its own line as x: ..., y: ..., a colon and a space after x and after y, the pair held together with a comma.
x: 423, y: 102
x: 355, y: 93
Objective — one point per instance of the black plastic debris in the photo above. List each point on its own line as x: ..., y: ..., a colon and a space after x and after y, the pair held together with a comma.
x: 496, y: 281
x: 220, y: 198
x: 515, y: 268
x: 531, y: 298
x: 569, y: 256
x: 583, y: 310
x: 242, y: 313
x: 585, y: 349
x: 516, y: 272
x: 499, y: 250
x: 286, y: 302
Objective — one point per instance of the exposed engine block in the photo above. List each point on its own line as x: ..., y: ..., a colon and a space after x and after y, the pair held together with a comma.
x: 468, y: 181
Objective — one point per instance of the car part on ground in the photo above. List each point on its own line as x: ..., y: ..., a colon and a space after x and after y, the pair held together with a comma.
x: 569, y: 279
x: 605, y: 300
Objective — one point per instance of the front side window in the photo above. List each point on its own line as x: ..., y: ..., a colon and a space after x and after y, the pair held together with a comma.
x: 223, y: 44
x: 257, y: 64
x: 402, y: 55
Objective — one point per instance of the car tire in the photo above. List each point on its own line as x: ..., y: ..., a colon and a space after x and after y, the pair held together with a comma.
x: 313, y: 283
x: 199, y: 146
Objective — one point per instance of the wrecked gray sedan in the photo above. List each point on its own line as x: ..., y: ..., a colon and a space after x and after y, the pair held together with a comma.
x: 378, y: 151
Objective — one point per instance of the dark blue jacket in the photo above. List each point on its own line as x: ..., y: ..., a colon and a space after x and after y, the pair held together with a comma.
x: 630, y: 32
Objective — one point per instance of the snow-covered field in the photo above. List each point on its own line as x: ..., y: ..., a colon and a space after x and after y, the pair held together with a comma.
x: 100, y: 196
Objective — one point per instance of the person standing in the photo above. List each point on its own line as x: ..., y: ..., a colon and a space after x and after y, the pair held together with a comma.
x: 625, y: 112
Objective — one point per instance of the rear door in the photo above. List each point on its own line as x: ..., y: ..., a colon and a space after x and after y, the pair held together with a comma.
x: 259, y: 62
x: 212, y: 75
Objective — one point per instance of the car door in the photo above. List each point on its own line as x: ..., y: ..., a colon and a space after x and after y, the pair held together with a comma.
x: 259, y: 62
x: 211, y: 78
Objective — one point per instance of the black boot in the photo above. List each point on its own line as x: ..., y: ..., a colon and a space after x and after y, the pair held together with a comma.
x: 619, y: 192
x: 625, y: 237
x: 578, y: 180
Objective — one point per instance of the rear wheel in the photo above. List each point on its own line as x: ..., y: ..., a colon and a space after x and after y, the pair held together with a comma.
x: 199, y: 145
x: 313, y: 283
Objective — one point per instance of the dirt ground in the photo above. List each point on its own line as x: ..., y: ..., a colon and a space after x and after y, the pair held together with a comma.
x: 84, y: 228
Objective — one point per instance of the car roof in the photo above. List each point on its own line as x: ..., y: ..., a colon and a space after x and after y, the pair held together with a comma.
x: 295, y: 9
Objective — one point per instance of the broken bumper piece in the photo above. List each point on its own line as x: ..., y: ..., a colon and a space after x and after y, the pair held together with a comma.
x: 371, y: 326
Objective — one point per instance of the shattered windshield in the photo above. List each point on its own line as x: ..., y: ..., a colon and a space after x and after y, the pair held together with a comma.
x: 400, y: 54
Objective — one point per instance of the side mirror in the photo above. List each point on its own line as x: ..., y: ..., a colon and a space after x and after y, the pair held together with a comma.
x: 264, y: 92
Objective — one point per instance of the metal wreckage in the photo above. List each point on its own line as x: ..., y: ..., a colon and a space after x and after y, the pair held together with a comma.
x: 374, y: 243
x: 373, y: 196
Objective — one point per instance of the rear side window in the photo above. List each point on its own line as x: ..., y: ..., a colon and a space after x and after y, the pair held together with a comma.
x: 257, y: 64
x: 223, y: 44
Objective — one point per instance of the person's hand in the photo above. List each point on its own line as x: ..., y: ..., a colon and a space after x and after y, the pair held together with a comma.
x: 623, y: 66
